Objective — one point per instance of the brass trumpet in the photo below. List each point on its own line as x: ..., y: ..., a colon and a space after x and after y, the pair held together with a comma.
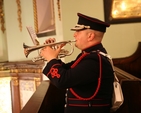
x: 63, y: 52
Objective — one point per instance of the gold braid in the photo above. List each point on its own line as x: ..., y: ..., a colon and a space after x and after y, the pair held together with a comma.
x: 19, y: 14
x: 2, y: 16
x: 35, y: 16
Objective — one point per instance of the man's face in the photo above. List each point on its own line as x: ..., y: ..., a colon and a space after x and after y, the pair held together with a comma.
x: 81, y: 38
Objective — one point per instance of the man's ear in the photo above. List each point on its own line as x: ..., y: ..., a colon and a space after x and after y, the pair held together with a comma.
x: 90, y: 36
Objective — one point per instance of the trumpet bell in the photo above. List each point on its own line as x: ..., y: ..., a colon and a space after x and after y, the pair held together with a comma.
x: 27, y: 49
x: 26, y: 52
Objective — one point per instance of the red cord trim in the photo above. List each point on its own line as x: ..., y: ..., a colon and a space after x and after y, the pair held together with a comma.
x: 88, y: 105
x: 79, y: 59
x: 99, y: 79
x: 79, y: 99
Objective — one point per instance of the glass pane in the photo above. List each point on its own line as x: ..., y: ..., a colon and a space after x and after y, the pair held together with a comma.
x: 126, y: 8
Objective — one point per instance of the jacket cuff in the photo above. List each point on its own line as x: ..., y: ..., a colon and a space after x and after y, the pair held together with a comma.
x: 50, y: 64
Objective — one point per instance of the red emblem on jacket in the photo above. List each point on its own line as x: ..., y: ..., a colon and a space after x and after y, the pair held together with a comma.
x: 54, y: 73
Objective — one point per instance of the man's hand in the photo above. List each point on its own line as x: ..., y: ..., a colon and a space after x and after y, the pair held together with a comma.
x: 50, y: 52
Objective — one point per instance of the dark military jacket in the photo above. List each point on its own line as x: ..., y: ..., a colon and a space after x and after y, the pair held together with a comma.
x: 88, y: 81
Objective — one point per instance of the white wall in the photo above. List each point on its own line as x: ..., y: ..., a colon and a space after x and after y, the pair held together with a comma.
x: 120, y: 40
x: 15, y: 37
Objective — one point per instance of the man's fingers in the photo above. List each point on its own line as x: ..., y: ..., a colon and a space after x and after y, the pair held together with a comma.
x: 50, y: 40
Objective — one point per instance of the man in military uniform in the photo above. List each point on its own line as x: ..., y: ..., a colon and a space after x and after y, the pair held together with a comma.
x: 88, y: 79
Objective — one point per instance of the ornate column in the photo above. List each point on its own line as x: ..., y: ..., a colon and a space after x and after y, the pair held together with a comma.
x: 15, y: 94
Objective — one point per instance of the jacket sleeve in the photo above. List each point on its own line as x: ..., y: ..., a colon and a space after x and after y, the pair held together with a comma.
x: 86, y: 71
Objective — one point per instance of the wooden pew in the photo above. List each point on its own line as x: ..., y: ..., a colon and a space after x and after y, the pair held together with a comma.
x: 130, y: 64
x: 131, y: 87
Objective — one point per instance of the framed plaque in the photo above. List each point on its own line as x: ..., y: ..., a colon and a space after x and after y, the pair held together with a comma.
x: 122, y: 11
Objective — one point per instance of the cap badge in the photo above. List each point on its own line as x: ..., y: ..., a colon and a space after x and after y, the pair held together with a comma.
x: 82, y: 26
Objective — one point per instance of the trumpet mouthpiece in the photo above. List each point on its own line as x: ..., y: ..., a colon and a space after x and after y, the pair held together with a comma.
x: 74, y: 40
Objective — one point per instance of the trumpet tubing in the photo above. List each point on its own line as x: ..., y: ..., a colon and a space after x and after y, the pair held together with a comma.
x: 63, y: 52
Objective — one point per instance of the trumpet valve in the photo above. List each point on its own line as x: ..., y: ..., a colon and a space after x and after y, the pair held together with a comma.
x: 63, y: 51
